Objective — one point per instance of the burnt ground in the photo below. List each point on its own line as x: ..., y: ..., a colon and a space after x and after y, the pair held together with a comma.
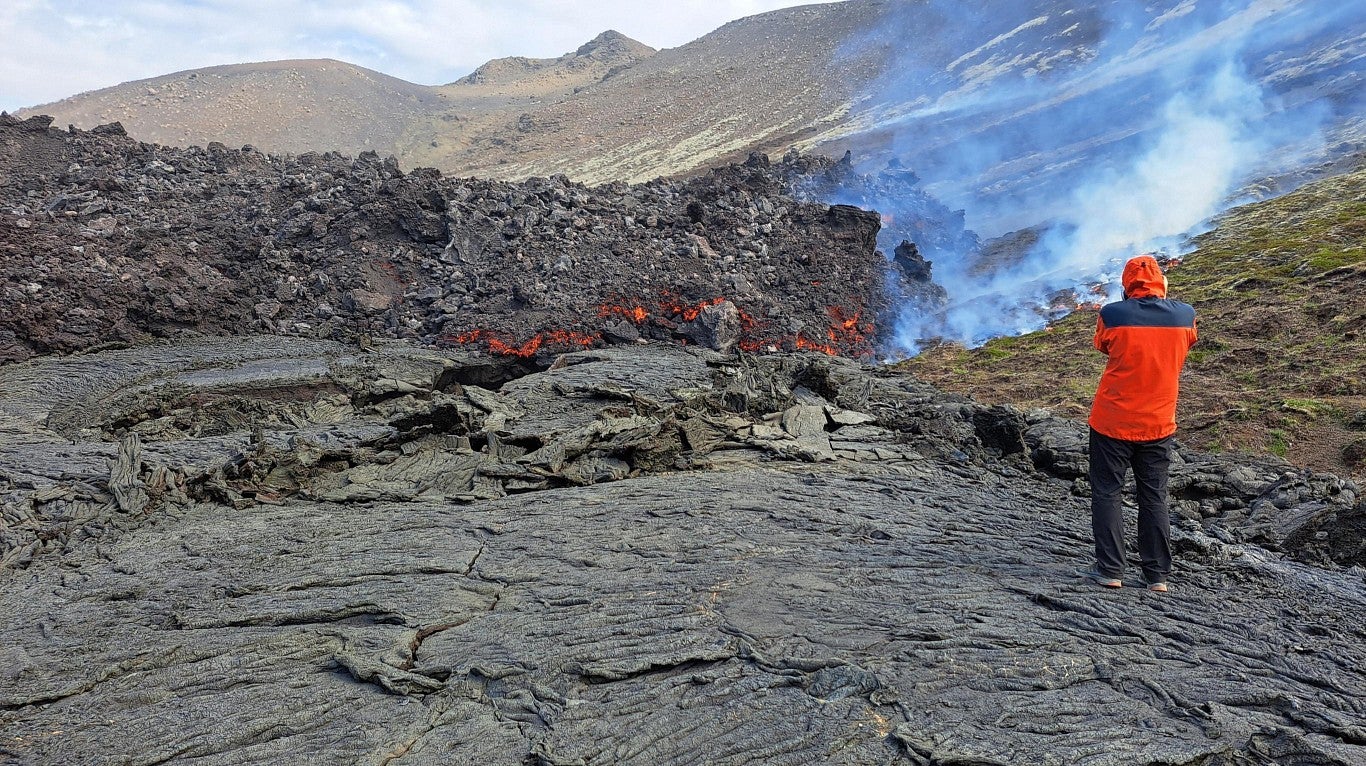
x: 276, y: 550
x: 107, y: 240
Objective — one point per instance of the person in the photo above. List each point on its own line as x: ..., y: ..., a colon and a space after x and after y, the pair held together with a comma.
x: 1133, y: 418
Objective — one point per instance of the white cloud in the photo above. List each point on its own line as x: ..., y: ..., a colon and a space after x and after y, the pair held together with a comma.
x: 57, y: 48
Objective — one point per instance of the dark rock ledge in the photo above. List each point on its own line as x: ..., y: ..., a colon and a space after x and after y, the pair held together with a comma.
x: 643, y: 555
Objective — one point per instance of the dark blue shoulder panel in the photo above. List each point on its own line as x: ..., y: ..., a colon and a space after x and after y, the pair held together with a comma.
x: 1148, y: 312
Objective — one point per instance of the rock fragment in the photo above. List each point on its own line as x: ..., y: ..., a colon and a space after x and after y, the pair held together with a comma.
x: 125, y: 476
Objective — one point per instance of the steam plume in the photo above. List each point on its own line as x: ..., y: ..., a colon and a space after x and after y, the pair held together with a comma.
x: 1105, y: 130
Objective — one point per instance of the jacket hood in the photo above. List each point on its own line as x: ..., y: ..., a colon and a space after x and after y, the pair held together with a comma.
x: 1143, y: 278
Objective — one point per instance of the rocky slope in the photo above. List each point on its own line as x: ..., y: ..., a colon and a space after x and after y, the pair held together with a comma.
x: 105, y: 239
x: 273, y: 550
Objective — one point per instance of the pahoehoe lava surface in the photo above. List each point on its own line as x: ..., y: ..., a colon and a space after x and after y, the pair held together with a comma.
x: 276, y: 550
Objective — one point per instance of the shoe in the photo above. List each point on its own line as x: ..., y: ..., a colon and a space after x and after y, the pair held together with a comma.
x: 1094, y: 575
x: 1156, y: 587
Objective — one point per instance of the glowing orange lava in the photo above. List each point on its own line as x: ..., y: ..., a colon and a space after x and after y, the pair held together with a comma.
x: 529, y: 348
x: 673, y: 305
x: 846, y: 334
x: 847, y: 330
x: 803, y: 344
x: 636, y: 314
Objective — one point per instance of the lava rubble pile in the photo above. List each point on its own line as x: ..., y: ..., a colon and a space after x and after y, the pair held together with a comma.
x: 107, y: 240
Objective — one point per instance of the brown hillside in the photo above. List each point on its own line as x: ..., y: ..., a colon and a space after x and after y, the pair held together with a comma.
x: 520, y: 76
x: 324, y: 105
x: 762, y: 83
x: 499, y: 97
x: 282, y: 106
x: 867, y: 74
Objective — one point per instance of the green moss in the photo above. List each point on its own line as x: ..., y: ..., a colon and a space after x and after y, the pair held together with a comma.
x: 1352, y: 212
x: 1200, y: 354
x: 1083, y: 391
x: 1311, y: 408
x: 1279, y: 442
x: 1327, y: 259
x: 995, y: 353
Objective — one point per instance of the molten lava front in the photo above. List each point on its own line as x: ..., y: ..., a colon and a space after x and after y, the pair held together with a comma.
x: 558, y: 339
x: 673, y: 316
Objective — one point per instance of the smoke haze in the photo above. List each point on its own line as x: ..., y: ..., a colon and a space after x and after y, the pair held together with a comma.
x: 1105, y: 130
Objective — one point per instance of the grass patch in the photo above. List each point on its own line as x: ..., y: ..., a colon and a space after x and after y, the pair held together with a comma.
x: 1312, y: 408
x: 1327, y: 259
x: 1199, y: 355
x: 1278, y: 442
x: 995, y: 353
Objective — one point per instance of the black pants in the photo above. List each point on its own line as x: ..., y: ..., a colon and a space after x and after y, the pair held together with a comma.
x: 1110, y: 460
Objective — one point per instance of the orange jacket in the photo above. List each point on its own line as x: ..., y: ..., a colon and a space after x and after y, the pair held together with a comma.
x: 1146, y: 336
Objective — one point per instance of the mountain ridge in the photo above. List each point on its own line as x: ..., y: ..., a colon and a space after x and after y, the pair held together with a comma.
x: 301, y: 105
x: 610, y: 47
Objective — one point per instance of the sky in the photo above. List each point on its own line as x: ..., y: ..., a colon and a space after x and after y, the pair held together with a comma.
x: 58, y: 48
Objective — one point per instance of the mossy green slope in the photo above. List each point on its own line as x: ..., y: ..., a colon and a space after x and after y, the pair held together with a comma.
x: 1280, y: 288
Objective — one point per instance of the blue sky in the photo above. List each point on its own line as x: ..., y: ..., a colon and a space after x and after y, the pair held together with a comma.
x: 56, y: 48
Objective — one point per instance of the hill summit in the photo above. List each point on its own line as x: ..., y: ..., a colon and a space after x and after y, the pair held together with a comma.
x: 298, y: 106
x: 598, y: 56
x: 284, y: 106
